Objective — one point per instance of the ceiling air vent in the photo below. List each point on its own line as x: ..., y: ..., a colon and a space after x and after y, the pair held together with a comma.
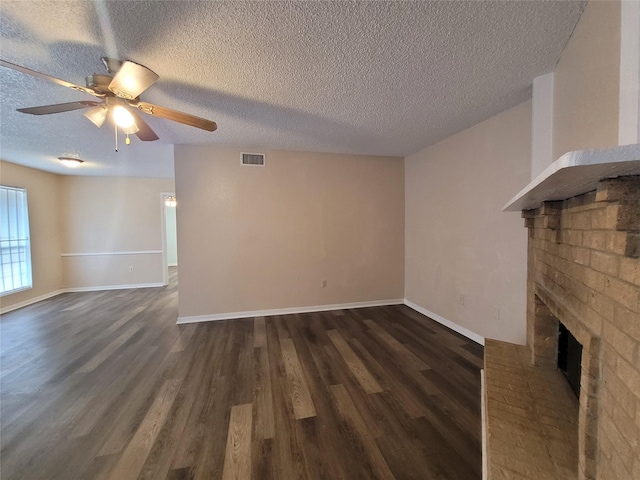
x: 253, y: 159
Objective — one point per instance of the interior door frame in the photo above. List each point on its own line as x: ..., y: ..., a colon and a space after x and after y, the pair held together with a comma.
x: 163, y: 215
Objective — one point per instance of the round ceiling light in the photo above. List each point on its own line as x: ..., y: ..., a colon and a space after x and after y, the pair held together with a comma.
x: 70, y: 161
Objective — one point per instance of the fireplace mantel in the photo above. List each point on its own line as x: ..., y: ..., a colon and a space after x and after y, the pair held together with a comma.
x: 575, y: 173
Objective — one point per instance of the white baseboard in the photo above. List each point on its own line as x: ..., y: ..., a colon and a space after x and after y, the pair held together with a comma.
x: 286, y: 311
x: 447, y: 323
x: 112, y: 287
x: 31, y: 301
x: 172, y: 265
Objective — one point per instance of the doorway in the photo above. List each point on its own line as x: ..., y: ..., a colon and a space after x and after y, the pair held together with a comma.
x: 169, y: 236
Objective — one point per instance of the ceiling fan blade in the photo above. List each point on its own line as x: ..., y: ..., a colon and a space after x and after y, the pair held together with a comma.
x: 176, y: 116
x: 145, y: 133
x: 58, y: 108
x: 49, y: 78
x: 131, y: 80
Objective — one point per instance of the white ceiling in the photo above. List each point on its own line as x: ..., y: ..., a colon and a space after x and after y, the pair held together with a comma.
x: 384, y: 78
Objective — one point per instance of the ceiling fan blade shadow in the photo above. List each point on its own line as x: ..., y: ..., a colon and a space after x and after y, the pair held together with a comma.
x: 58, y: 108
x: 49, y: 78
x: 145, y: 133
x: 176, y: 116
x: 131, y: 80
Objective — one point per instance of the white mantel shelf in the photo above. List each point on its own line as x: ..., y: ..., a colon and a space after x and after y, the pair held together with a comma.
x: 575, y: 173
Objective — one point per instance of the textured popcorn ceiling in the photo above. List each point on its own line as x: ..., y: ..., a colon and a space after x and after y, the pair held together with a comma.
x: 385, y: 78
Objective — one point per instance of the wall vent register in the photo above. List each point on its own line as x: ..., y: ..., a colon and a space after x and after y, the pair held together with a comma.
x: 255, y: 159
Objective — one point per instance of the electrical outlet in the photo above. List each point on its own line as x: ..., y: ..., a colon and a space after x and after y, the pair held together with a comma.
x: 323, y: 284
x: 461, y: 299
x: 131, y: 269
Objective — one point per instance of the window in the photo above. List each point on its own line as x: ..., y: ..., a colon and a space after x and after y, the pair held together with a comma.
x: 15, y: 246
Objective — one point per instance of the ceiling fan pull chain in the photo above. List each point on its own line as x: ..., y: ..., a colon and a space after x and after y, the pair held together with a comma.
x: 115, y: 129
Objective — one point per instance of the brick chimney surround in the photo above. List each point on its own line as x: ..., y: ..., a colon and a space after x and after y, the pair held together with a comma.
x: 583, y: 221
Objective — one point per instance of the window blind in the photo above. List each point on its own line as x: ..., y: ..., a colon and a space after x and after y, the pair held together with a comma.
x: 15, y: 244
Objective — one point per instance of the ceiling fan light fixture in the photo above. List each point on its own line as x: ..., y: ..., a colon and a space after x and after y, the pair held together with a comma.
x: 122, y: 116
x: 97, y: 115
x: 71, y: 162
x: 131, y: 80
x: 116, y: 95
x: 131, y: 130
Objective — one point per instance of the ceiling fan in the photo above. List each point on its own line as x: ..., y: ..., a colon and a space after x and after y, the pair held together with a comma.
x: 119, y: 93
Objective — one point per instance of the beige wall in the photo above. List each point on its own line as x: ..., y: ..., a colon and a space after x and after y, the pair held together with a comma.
x: 114, y: 215
x: 458, y: 241
x: 255, y: 238
x: 586, y: 83
x: 44, y: 223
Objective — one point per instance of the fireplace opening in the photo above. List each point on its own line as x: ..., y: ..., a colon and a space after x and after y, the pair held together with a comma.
x: 569, y: 357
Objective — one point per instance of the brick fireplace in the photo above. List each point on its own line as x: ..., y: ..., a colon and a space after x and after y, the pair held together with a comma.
x: 583, y: 271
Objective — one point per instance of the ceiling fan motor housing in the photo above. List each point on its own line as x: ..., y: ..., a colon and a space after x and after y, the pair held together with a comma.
x: 99, y: 83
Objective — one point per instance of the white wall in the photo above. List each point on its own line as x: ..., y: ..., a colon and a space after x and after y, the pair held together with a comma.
x: 542, y: 124
x: 458, y: 242
x: 587, y: 82
x: 256, y: 238
x: 629, y: 119
x: 43, y: 190
x: 111, y: 224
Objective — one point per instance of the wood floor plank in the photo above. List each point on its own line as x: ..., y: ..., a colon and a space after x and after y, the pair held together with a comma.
x: 379, y: 468
x: 356, y: 393
x: 208, y: 389
x: 262, y: 395
x: 392, y: 375
x: 259, y: 333
x: 287, y: 450
x: 403, y: 458
x: 300, y: 396
x: 133, y: 458
x: 158, y: 462
x: 100, y: 404
x: 95, y: 362
x: 131, y: 414
x: 364, y: 377
x: 262, y: 459
x: 183, y: 340
x: 121, y: 321
x: 321, y: 440
x: 237, y: 459
x: 398, y: 348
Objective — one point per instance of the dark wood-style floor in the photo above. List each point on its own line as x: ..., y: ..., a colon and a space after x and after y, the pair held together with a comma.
x: 104, y: 385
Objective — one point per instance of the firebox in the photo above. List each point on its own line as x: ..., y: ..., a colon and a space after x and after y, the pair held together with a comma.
x: 569, y: 357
